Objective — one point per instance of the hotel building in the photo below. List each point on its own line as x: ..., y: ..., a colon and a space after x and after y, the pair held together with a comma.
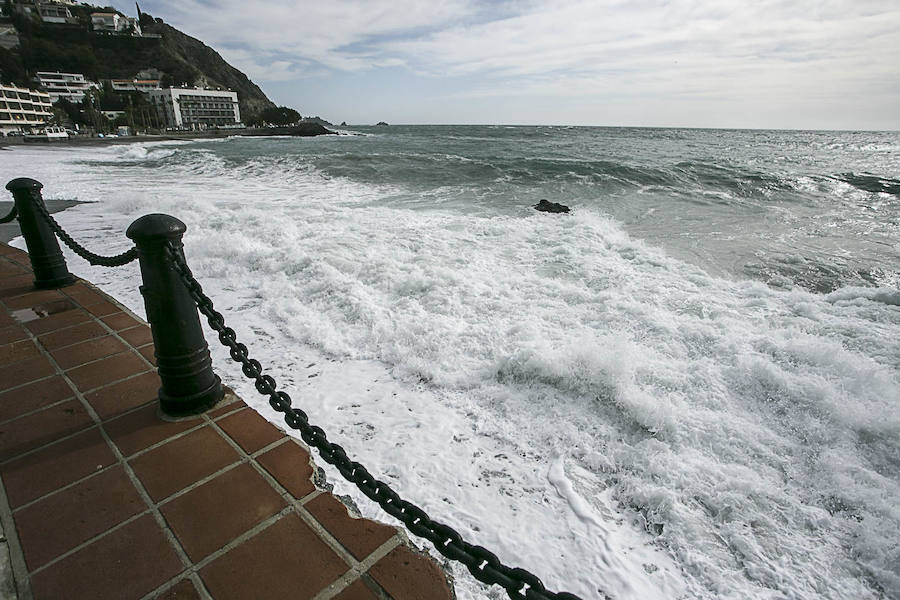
x: 195, y: 108
x: 71, y: 86
x: 22, y: 108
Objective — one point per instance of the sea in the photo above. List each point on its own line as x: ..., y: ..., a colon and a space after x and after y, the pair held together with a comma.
x: 686, y: 387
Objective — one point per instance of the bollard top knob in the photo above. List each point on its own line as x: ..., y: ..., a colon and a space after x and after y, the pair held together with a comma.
x: 156, y: 227
x: 24, y: 183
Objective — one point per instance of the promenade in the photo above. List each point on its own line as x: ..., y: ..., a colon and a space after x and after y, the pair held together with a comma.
x: 102, y: 498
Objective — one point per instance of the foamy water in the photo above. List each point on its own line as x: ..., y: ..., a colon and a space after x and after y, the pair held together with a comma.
x: 597, y: 408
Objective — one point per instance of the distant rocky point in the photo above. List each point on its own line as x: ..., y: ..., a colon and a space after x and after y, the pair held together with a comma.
x: 381, y: 124
x: 551, y: 207
x: 318, y: 120
x: 300, y: 130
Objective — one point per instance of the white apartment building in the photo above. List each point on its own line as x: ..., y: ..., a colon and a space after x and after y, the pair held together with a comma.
x: 134, y: 85
x: 108, y: 21
x: 22, y: 108
x: 54, y: 12
x: 71, y: 86
x: 195, y: 108
x: 112, y: 22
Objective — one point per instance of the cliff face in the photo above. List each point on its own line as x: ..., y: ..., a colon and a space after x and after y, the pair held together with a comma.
x: 75, y: 48
x: 208, y: 67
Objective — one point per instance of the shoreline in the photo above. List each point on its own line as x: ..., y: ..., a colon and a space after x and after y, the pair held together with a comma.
x: 6, y: 143
x: 302, y: 130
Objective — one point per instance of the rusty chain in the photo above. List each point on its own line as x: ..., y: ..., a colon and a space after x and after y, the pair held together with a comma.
x: 95, y: 259
x: 481, y: 562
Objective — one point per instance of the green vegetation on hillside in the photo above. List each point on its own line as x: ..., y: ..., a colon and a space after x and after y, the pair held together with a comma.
x: 281, y: 115
x: 76, y: 48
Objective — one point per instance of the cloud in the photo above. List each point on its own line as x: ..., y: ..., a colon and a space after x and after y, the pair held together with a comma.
x: 338, y: 34
x: 804, y: 51
x: 465, y: 38
x: 604, y: 37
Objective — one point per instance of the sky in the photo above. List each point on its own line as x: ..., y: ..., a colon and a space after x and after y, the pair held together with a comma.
x: 785, y: 64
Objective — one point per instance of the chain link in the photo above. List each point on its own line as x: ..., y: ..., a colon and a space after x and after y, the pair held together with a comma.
x: 481, y: 562
x: 94, y: 259
x: 12, y: 215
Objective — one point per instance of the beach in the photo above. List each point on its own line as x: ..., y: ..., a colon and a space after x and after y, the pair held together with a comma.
x: 109, y: 140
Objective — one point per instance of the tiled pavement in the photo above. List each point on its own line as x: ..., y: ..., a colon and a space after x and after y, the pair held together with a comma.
x: 102, y: 498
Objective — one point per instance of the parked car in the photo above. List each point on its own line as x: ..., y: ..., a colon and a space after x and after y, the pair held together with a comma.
x: 15, y: 133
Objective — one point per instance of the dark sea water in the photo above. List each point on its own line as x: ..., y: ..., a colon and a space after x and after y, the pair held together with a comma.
x: 816, y: 209
x: 687, y: 387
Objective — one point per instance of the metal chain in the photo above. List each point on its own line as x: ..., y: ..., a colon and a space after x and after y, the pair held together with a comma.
x: 481, y: 562
x: 95, y: 259
x: 12, y: 215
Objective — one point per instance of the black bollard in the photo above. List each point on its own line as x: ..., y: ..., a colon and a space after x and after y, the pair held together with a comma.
x: 47, y: 261
x: 189, y: 385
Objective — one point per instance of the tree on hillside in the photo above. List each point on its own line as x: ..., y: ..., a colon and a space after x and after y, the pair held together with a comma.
x: 11, y: 69
x: 277, y: 115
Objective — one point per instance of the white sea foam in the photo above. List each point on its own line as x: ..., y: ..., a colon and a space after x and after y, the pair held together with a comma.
x: 585, y: 405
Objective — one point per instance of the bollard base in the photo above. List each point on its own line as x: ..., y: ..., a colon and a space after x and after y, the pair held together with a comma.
x: 52, y: 284
x: 195, y: 404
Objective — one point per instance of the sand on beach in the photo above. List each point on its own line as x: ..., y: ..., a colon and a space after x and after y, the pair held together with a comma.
x: 84, y: 140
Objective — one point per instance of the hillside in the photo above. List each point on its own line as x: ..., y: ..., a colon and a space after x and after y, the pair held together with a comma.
x: 75, y: 48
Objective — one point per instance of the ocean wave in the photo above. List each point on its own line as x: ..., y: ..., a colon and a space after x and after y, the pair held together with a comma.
x: 872, y: 183
x: 721, y: 437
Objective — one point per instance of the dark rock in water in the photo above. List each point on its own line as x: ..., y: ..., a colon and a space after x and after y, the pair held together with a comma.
x: 301, y: 129
x: 381, y: 124
x: 343, y: 123
x: 551, y: 207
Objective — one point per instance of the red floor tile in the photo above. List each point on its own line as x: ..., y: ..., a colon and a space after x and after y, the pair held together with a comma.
x: 181, y: 462
x: 356, y: 591
x: 250, y: 430
x: 16, y: 286
x: 143, y: 428
x: 60, y: 320
x: 33, y: 298
x: 269, y: 565
x: 43, y: 427
x: 25, y: 371
x: 120, y: 320
x: 107, y: 370
x: 48, y: 469
x: 290, y: 465
x: 72, y: 335
x: 224, y: 409
x: 125, y: 395
x: 84, y: 294
x: 126, y: 564
x: 360, y: 536
x: 33, y: 396
x: 18, y: 351
x: 102, y: 308
x: 137, y: 336
x: 183, y: 590
x: 407, y: 575
x: 85, y: 352
x: 71, y: 517
x: 149, y: 353
x: 211, y: 515
x: 12, y: 333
